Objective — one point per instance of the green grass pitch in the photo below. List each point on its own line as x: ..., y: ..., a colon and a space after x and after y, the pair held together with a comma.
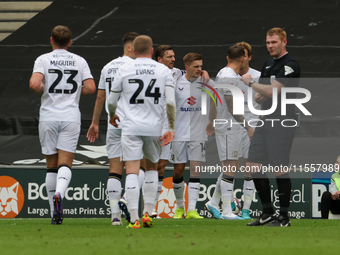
x: 168, y: 236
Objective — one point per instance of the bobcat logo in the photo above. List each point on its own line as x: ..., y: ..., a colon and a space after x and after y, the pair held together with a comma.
x: 11, y: 197
x: 166, y: 205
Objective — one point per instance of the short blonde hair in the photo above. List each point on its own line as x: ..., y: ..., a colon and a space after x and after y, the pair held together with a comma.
x: 142, y: 44
x: 277, y: 31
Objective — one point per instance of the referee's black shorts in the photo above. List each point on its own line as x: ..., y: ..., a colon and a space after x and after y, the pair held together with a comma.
x: 271, y: 145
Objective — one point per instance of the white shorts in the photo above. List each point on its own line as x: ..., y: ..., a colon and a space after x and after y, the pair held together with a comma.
x: 244, y: 145
x: 137, y: 147
x: 113, y: 143
x: 58, y: 135
x: 166, y: 151
x: 228, y: 146
x: 184, y: 151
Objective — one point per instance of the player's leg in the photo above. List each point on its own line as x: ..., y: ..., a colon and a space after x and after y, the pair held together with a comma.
x: 248, y: 183
x: 258, y: 157
x: 48, y: 135
x: 196, y: 156
x: 132, y: 153
x: 179, y: 158
x: 213, y: 205
x: 230, y: 167
x: 51, y: 179
x: 165, y: 156
x: 278, y: 156
x: 152, y: 150
x: 114, y: 185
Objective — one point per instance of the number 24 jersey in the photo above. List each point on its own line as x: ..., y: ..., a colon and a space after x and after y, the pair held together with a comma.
x: 142, y: 83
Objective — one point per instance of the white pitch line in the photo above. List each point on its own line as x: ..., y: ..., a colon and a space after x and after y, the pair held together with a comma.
x: 95, y: 24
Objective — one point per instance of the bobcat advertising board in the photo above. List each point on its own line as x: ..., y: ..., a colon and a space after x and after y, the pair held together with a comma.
x: 23, y: 194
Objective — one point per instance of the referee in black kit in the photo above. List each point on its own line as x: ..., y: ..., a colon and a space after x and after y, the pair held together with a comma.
x: 271, y: 143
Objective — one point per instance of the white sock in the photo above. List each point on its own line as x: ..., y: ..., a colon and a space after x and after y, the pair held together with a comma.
x: 216, y: 197
x: 132, y: 192
x: 159, y: 189
x: 248, y: 192
x: 227, y: 195
x: 193, y: 193
x: 141, y: 180
x: 150, y: 190
x: 51, y: 183
x: 114, y: 189
x: 63, y: 180
x: 179, y: 193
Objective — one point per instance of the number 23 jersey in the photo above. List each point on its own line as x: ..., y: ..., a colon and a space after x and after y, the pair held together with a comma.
x: 142, y: 83
x: 63, y: 73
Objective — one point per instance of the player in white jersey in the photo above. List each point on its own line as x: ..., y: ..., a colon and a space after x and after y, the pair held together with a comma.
x: 248, y: 184
x: 190, y: 136
x: 165, y: 54
x: 113, y: 135
x: 228, y: 137
x: 141, y: 85
x: 60, y: 77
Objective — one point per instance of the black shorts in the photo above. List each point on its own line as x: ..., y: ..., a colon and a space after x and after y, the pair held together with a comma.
x: 271, y: 145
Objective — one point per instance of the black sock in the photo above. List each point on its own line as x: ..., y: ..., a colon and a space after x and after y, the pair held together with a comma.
x: 262, y: 186
x: 284, y: 186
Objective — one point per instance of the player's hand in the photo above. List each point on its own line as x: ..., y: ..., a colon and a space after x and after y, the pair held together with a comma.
x: 210, y: 130
x: 336, y: 195
x: 167, y: 137
x: 246, y: 78
x: 205, y: 76
x: 92, y: 133
x: 114, y: 119
x: 250, y: 132
x: 260, y: 99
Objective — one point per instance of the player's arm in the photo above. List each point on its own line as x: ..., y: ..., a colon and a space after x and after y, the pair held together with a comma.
x: 112, y: 105
x: 263, y: 89
x: 171, y: 112
x: 210, y: 130
x: 93, y: 132
x: 238, y: 118
x: 89, y: 87
x: 36, y: 84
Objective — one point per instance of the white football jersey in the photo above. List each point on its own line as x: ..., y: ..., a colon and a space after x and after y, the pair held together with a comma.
x: 176, y: 74
x: 190, y: 123
x: 64, y: 73
x: 228, y: 76
x: 107, y: 77
x: 142, y: 83
x: 248, y: 115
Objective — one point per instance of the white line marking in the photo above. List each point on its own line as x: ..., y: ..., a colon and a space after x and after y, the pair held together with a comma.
x: 95, y: 24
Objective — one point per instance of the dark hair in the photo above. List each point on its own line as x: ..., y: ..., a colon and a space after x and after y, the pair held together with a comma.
x: 247, y: 47
x: 61, y: 35
x: 160, y: 51
x: 235, y: 52
x: 129, y: 37
x: 190, y: 57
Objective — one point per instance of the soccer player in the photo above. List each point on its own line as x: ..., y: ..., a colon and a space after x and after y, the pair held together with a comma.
x: 248, y: 184
x: 271, y: 144
x: 140, y: 86
x: 60, y: 77
x: 228, y: 137
x: 113, y: 135
x: 165, y: 54
x: 190, y: 137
